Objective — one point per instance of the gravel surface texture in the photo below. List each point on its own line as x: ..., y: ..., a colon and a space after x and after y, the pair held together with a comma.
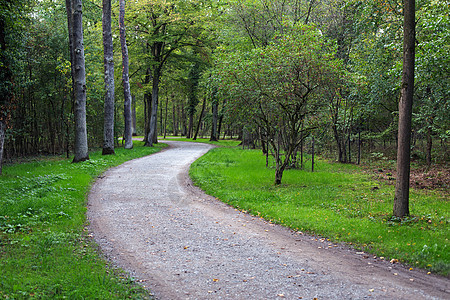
x: 150, y: 220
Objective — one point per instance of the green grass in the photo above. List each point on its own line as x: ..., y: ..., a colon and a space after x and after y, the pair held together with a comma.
x: 337, y: 201
x: 45, y: 251
x: 220, y: 143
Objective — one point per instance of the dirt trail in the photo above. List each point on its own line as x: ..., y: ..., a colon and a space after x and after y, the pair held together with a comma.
x: 182, y: 244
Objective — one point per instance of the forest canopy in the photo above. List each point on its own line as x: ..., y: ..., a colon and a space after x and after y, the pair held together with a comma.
x: 273, y: 73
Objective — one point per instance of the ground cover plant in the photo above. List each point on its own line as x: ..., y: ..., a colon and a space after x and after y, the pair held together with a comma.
x: 337, y: 201
x: 45, y: 250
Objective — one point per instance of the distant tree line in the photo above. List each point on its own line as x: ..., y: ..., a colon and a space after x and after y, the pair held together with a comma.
x: 273, y: 73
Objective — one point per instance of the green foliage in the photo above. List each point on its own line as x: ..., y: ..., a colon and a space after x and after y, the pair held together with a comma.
x: 432, y: 68
x: 281, y: 88
x: 45, y: 251
x: 337, y: 201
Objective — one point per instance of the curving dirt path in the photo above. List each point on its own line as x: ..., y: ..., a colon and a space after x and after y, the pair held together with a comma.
x: 182, y: 244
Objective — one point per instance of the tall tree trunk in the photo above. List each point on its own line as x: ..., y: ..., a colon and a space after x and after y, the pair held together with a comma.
x: 108, y: 126
x: 165, y: 117
x: 153, y: 134
x: 183, y: 120
x: 6, y: 77
x: 147, y: 106
x: 312, y: 155
x: 174, y: 120
x: 401, y: 199
x: 81, y: 150
x: 190, y: 125
x: 133, y: 115
x: 200, y: 119
x: 128, y: 134
x: 2, y: 142
x: 359, y: 147
x: 161, y: 119
x: 429, y: 144
x: 215, y: 120
x: 219, y: 129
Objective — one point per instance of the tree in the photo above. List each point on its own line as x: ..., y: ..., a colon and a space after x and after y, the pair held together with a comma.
x: 163, y: 28
x: 128, y: 134
x: 279, y: 88
x: 74, y: 12
x: 192, y: 85
x: 432, y: 61
x: 401, y: 199
x: 108, y: 129
x: 6, y: 80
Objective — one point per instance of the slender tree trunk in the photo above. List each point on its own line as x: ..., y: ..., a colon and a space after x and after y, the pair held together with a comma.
x: 200, y: 119
x: 161, y: 119
x: 133, y: 115
x: 6, y: 76
x: 174, y: 120
x: 147, y: 106
x: 2, y: 142
x: 81, y: 150
x: 429, y: 144
x: 108, y: 127
x: 128, y: 134
x: 401, y: 199
x: 359, y: 147
x: 215, y: 119
x: 183, y: 120
x: 153, y: 134
x: 165, y: 117
x: 219, y: 129
x: 312, y: 155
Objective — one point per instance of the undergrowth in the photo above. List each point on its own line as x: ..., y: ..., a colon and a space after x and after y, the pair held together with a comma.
x: 337, y: 201
x: 45, y: 250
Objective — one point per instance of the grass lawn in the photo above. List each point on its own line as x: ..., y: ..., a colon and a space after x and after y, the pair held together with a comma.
x: 337, y: 201
x: 45, y: 251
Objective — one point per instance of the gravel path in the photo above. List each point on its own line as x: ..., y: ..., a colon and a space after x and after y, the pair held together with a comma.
x: 182, y: 244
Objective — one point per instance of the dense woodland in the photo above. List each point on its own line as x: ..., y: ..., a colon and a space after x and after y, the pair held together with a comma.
x: 276, y: 74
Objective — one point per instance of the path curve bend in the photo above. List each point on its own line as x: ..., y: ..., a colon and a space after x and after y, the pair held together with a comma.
x: 182, y: 244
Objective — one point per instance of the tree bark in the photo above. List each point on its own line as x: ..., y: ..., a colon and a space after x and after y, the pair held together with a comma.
x: 153, y: 134
x: 6, y: 97
x: 174, y: 119
x: 401, y: 199
x: 108, y: 126
x: 2, y: 142
x: 81, y: 150
x: 200, y: 119
x: 429, y: 144
x: 215, y: 119
x: 128, y: 134
x: 133, y: 115
x: 147, y: 106
x: 190, y: 125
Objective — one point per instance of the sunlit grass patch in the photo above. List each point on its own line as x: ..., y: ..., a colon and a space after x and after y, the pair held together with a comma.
x: 337, y: 201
